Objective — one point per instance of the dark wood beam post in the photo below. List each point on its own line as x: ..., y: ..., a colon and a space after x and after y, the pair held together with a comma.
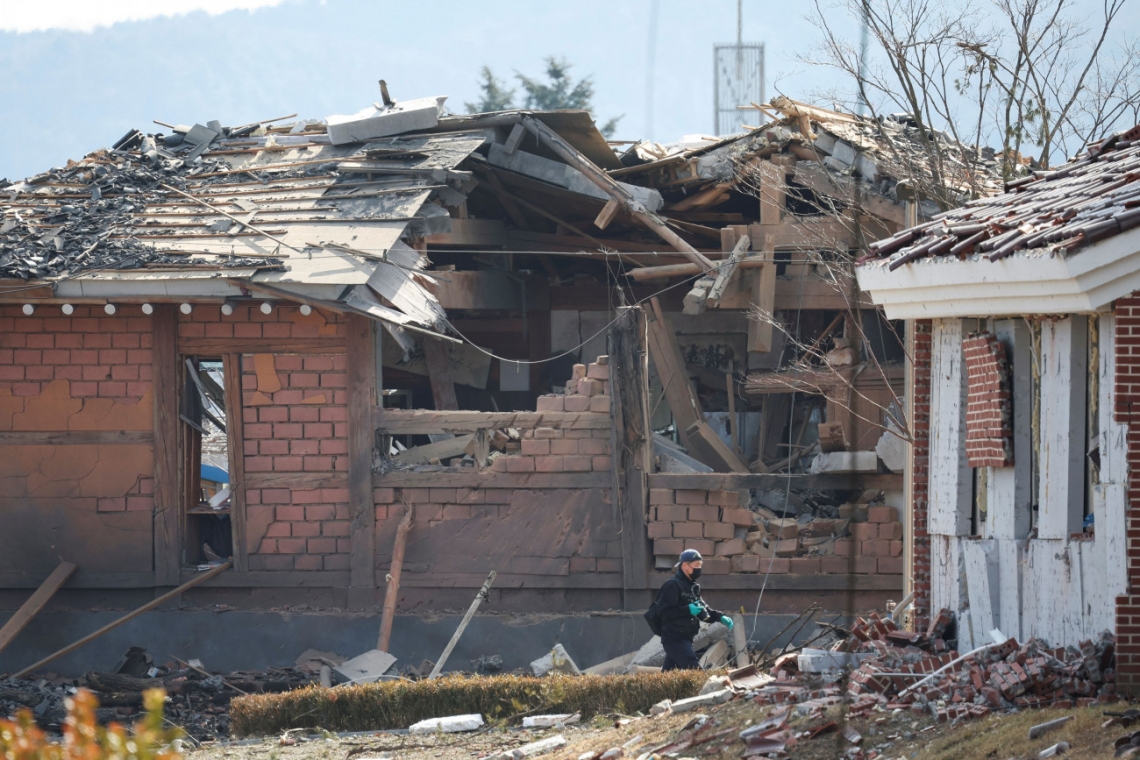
x: 632, y: 450
x: 235, y: 444
x: 361, y: 380
x: 167, y: 509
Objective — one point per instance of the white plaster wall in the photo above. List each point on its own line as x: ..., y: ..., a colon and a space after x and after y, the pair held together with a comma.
x: 1057, y: 589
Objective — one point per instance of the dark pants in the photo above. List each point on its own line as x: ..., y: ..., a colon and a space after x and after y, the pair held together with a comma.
x: 679, y: 655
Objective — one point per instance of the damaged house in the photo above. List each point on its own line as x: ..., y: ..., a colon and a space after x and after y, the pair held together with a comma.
x: 568, y: 359
x: 1021, y: 313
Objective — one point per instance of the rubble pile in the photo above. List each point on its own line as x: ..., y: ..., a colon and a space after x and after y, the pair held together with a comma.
x: 922, y: 673
x: 197, y: 701
x: 93, y: 213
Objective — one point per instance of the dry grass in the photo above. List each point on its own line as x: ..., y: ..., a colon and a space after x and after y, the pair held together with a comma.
x: 398, y: 704
x: 1006, y: 736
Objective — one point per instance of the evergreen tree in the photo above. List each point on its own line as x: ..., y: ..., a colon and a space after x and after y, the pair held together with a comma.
x: 494, y: 95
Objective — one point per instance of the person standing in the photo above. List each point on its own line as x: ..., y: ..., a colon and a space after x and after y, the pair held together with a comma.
x: 682, y: 611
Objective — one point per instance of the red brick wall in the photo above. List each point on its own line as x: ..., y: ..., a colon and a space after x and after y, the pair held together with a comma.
x: 989, y: 410
x: 92, y: 503
x: 920, y: 472
x: 295, y: 415
x: 1127, y: 411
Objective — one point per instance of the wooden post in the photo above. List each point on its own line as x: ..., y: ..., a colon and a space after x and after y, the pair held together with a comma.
x: 361, y: 382
x: 235, y: 445
x: 127, y: 618
x: 35, y: 603
x: 439, y: 373
x: 731, y: 388
x: 632, y: 448
x: 483, y: 592
x: 167, y: 507
x: 393, y: 588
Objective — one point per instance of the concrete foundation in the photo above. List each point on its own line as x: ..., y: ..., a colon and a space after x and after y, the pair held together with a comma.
x: 235, y: 640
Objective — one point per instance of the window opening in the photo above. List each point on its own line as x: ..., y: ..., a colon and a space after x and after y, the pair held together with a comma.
x: 205, y: 462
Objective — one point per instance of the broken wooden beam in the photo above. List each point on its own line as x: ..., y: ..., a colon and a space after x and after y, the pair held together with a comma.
x: 484, y: 592
x: 666, y: 271
x: 676, y: 387
x: 438, y: 361
x: 30, y: 608
x: 726, y: 270
x: 156, y: 602
x: 611, y: 187
x: 392, y: 591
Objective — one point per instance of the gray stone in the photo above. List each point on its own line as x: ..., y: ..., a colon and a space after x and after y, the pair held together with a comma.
x: 704, y: 700
x: 551, y: 721
x: 892, y: 450
x: 367, y: 667
x: 844, y: 153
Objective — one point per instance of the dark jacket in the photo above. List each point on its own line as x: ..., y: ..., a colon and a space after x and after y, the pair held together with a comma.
x: 673, y: 601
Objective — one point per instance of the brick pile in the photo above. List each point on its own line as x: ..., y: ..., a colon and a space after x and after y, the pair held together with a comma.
x: 865, y: 538
x: 1004, y: 677
x: 587, y: 390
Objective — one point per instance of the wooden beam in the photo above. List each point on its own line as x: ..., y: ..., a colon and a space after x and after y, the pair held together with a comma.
x: 361, y: 387
x: 77, y: 438
x: 441, y: 450
x: 773, y: 188
x: 631, y: 444
x: 612, y: 188
x: 761, y: 330
x: 609, y: 211
x: 298, y: 480
x: 707, y: 446
x: 157, y: 602
x: 427, y: 421
x: 740, y: 481
x: 727, y: 269
x: 439, y: 373
x: 666, y: 271
x: 220, y: 346
x: 35, y: 603
x: 392, y: 589
x: 484, y: 592
x: 235, y: 451
x: 670, y: 366
x: 167, y: 506
x: 288, y: 295
x: 475, y: 479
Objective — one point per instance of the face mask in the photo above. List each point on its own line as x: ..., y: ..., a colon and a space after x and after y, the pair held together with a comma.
x: 696, y: 573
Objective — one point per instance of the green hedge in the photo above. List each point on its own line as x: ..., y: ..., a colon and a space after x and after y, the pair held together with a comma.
x: 399, y: 704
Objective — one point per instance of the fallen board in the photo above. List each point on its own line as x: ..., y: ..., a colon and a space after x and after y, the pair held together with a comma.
x: 35, y: 603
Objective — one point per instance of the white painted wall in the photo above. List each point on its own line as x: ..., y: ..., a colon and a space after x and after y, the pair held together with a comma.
x: 1050, y: 586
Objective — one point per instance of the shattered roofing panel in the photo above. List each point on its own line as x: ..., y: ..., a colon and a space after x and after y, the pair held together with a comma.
x: 1053, y: 212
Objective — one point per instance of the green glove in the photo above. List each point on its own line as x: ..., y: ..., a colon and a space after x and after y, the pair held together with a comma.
x: 695, y: 609
x: 727, y: 621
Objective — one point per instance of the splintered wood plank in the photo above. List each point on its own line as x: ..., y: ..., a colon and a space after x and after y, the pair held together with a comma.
x: 361, y: 386
x: 439, y: 373
x: 235, y: 449
x: 35, y: 603
x: 772, y: 191
x: 670, y: 365
x: 727, y: 270
x: 167, y: 510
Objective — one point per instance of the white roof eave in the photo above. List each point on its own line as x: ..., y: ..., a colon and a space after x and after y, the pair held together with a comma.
x: 1084, y: 282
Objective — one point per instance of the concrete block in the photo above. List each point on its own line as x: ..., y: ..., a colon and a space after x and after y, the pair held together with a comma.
x: 671, y: 513
x: 689, y: 530
x: 689, y: 496
x: 724, y: 498
x: 373, y: 122
x: 534, y: 749
x: 783, y: 528
x: 659, y: 495
x: 367, y: 667
x: 668, y: 547
x: 600, y: 404
x: 882, y: 514
x: 843, y: 152
x: 704, y: 700
x: 892, y: 531
x: 576, y: 403
x: 551, y: 721
x: 746, y: 563
x: 804, y: 565
x: 660, y: 530
x: 598, y: 371
x: 549, y: 404
x: 892, y: 450
x: 556, y: 660
x: 704, y: 513
x: 716, y: 565
x: 845, y: 461
x: 743, y: 518
x: 449, y: 725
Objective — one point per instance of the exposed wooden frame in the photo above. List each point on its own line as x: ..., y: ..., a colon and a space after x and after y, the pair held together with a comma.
x: 77, y: 437
x: 167, y: 486
x: 361, y: 387
x: 235, y: 446
x: 439, y: 374
x: 221, y: 346
x: 35, y: 603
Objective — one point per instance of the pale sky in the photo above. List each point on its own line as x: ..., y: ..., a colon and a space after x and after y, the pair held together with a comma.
x: 75, y: 75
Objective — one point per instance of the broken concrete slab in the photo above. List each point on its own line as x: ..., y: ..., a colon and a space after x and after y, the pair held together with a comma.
x: 534, y: 749
x: 892, y: 450
x: 704, y: 700
x: 557, y: 660
x: 845, y: 462
x: 822, y: 660
x: 449, y: 725
x: 551, y: 721
x: 652, y: 654
x: 373, y: 122
x: 367, y: 667
x: 616, y: 665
